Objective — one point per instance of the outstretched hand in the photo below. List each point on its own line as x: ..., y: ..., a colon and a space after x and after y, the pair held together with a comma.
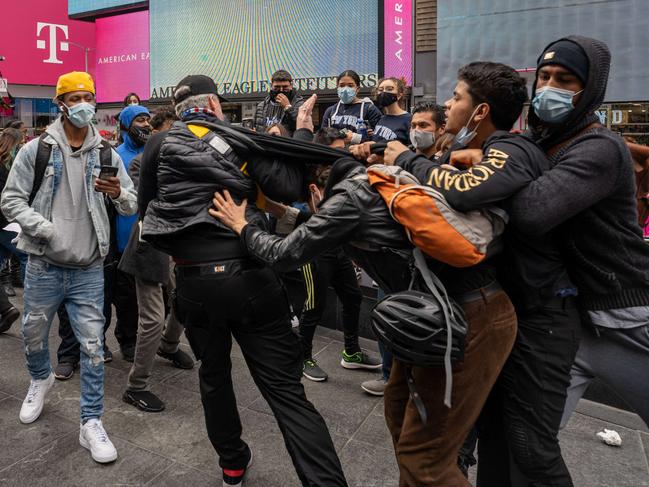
x: 305, y: 114
x: 230, y: 214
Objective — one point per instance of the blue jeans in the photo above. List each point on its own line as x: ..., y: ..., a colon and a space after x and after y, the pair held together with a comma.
x: 82, y: 293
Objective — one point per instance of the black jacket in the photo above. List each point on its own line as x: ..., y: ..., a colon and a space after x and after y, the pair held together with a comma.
x: 531, y: 269
x: 4, y: 174
x: 140, y: 258
x: 352, y: 215
x: 269, y: 113
x: 589, y: 196
x: 180, y: 173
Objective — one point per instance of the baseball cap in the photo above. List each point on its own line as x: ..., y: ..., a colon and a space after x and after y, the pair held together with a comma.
x: 193, y: 85
x: 74, y: 81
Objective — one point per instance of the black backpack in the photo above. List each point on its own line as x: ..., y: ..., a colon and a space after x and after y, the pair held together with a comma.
x: 43, y: 157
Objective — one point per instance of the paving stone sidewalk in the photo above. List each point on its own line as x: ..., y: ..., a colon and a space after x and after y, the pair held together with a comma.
x: 172, y: 448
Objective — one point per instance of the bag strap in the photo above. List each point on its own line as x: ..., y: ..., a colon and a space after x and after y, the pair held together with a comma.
x: 554, y: 149
x: 40, y: 165
x: 435, y: 286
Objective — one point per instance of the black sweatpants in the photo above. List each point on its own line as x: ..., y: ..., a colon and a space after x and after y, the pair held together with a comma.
x: 124, y: 297
x: 232, y: 299
x: 518, y: 444
x: 336, y: 269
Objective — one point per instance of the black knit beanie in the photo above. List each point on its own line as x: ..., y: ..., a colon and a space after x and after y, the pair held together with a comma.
x: 569, y: 55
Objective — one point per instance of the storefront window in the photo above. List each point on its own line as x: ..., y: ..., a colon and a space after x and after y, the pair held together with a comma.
x: 628, y: 119
x: 35, y: 113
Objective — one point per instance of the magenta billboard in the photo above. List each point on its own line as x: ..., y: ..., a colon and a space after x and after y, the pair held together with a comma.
x: 122, y: 56
x: 40, y: 42
x: 397, y: 28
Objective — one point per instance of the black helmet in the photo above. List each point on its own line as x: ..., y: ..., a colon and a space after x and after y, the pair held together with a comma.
x: 413, y: 326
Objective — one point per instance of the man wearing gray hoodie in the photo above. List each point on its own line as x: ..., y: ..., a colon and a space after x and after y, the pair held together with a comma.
x: 66, y: 232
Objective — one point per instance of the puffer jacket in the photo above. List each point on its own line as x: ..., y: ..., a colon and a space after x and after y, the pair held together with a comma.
x: 189, y: 171
x: 353, y: 215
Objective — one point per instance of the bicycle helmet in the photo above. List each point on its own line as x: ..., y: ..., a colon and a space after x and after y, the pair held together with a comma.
x: 411, y: 324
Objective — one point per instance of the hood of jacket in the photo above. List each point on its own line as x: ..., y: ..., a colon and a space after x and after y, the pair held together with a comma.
x: 129, y: 149
x: 130, y: 113
x: 599, y: 61
x: 56, y: 131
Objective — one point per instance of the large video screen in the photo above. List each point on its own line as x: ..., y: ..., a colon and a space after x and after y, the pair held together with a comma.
x: 122, y: 56
x: 82, y: 7
x: 516, y: 33
x: 240, y: 44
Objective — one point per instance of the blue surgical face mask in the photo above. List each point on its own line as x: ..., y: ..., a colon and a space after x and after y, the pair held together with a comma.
x: 347, y: 94
x: 80, y: 115
x: 465, y: 136
x: 553, y: 105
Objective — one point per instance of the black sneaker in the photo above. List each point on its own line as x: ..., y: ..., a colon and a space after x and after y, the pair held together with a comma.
x: 128, y: 353
x: 7, y: 318
x: 179, y: 359
x: 312, y: 371
x: 64, y: 371
x: 144, y: 400
x: 108, y: 355
x: 9, y: 290
x: 235, y: 477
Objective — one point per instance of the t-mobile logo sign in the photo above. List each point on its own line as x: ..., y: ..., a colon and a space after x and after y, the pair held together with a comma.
x: 42, y: 44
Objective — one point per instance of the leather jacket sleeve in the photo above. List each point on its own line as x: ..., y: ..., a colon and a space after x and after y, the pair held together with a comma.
x: 333, y: 225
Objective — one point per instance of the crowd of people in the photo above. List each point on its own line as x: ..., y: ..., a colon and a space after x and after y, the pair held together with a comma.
x: 512, y: 268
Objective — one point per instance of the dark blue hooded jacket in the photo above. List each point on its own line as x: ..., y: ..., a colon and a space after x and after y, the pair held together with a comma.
x: 127, y: 151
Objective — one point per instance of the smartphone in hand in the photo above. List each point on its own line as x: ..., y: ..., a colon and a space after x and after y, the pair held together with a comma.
x: 107, y: 172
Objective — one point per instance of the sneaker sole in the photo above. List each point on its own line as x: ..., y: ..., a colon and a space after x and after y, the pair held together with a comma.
x: 314, y: 379
x: 356, y: 365
x: 371, y: 392
x: 63, y: 377
x: 84, y: 443
x: 31, y: 420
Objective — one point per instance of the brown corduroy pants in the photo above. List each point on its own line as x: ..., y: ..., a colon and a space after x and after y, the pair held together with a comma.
x: 427, y: 453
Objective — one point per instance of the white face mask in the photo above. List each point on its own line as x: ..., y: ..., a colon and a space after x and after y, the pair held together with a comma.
x: 421, y: 139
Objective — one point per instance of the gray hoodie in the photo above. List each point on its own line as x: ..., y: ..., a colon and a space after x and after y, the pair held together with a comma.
x: 74, y: 242
x: 35, y: 219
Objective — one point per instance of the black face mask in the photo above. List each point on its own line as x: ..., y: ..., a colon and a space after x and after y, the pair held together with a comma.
x: 139, y: 135
x: 385, y: 99
x: 289, y: 94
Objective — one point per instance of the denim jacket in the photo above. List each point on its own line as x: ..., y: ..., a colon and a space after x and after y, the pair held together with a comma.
x: 35, y: 220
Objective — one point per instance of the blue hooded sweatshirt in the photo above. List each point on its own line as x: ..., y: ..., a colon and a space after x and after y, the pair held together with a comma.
x: 127, y: 151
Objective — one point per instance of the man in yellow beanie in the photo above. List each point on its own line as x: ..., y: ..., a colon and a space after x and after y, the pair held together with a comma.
x: 56, y: 192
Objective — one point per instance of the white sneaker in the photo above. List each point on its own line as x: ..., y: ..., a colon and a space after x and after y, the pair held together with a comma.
x: 33, y: 403
x: 93, y: 437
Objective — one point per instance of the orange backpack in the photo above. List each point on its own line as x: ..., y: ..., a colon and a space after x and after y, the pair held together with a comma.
x: 449, y: 236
